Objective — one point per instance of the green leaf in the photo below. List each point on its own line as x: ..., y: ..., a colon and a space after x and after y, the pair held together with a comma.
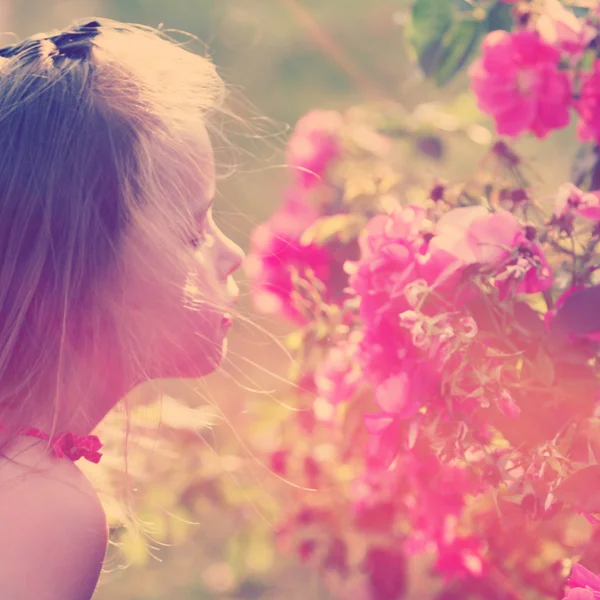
x: 499, y: 17
x: 446, y: 33
x: 430, y: 21
x: 459, y: 45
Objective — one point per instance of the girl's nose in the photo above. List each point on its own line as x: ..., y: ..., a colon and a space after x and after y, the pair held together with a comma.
x: 231, y: 257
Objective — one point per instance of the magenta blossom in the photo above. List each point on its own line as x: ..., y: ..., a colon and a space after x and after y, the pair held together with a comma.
x: 477, y: 235
x: 507, y: 405
x: 570, y: 199
x: 438, y: 498
x: 383, y: 350
x: 384, y: 441
x: 314, y: 145
x: 403, y: 394
x: 588, y: 106
x: 498, y: 243
x: 583, y: 584
x: 276, y: 250
x: 527, y: 272
x: 339, y: 376
x: 517, y: 81
x: 399, y: 397
x: 394, y: 256
x: 461, y: 557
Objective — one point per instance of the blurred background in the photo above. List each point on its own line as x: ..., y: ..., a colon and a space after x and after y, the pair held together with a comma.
x: 205, y: 516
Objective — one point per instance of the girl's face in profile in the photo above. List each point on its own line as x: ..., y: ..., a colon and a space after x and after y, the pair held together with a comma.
x: 178, y: 303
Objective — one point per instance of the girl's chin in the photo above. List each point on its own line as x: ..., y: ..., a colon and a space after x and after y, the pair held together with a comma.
x: 208, y: 364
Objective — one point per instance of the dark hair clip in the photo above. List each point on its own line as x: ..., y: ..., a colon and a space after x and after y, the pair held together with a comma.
x: 76, y: 43
x: 72, y: 44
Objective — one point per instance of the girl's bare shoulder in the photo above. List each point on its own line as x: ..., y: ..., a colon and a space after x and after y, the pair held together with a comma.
x: 53, y: 528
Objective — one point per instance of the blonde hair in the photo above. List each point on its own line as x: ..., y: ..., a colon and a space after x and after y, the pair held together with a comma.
x: 88, y: 140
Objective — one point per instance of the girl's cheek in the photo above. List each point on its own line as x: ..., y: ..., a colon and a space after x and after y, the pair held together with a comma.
x: 206, y: 260
x: 202, y: 272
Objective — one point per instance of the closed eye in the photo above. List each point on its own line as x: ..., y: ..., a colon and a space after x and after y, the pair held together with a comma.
x: 201, y: 233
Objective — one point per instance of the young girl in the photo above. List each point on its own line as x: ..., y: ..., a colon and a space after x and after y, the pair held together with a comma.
x: 112, y: 272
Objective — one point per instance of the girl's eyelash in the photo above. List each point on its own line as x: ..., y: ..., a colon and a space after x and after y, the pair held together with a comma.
x: 200, y: 235
x: 197, y: 239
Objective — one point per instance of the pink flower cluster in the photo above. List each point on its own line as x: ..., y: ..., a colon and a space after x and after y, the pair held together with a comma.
x: 525, y: 79
x: 583, y: 584
x: 410, y: 274
x: 519, y: 83
x: 394, y: 255
x: 431, y: 495
x: 588, y: 105
x: 276, y: 250
x: 339, y: 376
x: 453, y: 383
x: 570, y: 200
x: 498, y: 242
x: 276, y: 246
x: 314, y: 146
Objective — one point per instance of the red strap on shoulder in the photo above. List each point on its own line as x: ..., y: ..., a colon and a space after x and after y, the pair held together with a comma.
x: 71, y: 446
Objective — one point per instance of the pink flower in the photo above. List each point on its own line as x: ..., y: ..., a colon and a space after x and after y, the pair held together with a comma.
x: 527, y: 272
x: 571, y: 199
x: 395, y: 255
x: 403, y: 394
x: 438, y: 491
x: 497, y: 242
x: 383, y: 350
x: 462, y: 557
x: 338, y: 378
x: 276, y: 249
x: 588, y: 106
x: 314, y: 146
x: 384, y: 442
x: 278, y: 461
x: 494, y: 236
x: 399, y: 396
x: 477, y: 235
x: 517, y: 81
x: 583, y: 584
x: 507, y: 406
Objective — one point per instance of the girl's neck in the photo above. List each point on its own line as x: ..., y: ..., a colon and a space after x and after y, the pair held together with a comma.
x: 83, y: 406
